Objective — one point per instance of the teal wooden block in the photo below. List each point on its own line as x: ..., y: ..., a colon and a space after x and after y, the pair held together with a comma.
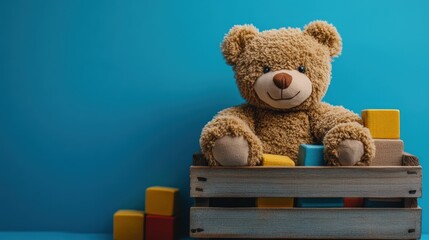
x: 311, y: 155
x: 319, y: 202
x: 383, y: 203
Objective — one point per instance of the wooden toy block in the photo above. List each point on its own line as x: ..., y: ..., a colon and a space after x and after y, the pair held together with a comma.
x: 161, y: 227
x: 353, y: 202
x: 383, y: 203
x: 388, y: 152
x: 275, y: 202
x: 277, y: 160
x: 128, y: 225
x: 162, y: 201
x: 320, y: 202
x: 311, y: 155
x: 382, y: 123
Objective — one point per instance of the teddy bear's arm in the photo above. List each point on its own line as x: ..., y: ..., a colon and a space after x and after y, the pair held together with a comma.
x: 341, y: 130
x: 232, y: 128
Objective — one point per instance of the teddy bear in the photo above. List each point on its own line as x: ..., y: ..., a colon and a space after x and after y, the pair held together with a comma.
x: 283, y: 74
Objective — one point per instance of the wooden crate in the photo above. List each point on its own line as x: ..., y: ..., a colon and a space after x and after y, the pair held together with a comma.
x: 208, y: 183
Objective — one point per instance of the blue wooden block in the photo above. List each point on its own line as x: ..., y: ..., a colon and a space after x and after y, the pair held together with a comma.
x: 320, y: 202
x: 311, y: 155
x: 383, y: 203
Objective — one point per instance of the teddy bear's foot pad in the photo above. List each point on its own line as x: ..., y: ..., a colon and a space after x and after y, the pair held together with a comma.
x: 231, y: 151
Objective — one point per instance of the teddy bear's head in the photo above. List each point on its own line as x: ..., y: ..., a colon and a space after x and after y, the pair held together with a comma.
x: 282, y: 69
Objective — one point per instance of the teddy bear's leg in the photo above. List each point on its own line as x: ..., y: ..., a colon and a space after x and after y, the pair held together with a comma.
x: 350, y: 152
x: 231, y: 151
x: 229, y: 141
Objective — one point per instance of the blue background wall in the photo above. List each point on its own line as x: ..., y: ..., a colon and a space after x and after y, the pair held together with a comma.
x: 101, y: 99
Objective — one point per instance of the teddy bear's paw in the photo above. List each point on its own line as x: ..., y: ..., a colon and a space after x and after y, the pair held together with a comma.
x: 350, y: 152
x: 231, y: 151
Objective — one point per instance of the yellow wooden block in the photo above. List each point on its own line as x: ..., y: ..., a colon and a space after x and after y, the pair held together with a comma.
x: 382, y: 123
x: 276, y: 160
x: 128, y: 225
x: 162, y: 201
x: 274, y: 202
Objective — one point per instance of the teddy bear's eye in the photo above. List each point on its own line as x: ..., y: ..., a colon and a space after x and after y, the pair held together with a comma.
x: 301, y: 69
x: 266, y: 69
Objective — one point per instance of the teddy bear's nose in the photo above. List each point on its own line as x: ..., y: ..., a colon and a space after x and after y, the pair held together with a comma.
x: 282, y: 80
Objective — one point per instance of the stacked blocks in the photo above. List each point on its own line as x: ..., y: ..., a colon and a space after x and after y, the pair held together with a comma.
x: 275, y: 160
x: 128, y: 225
x: 161, y: 207
x: 312, y: 155
x: 161, y: 219
x: 384, y: 125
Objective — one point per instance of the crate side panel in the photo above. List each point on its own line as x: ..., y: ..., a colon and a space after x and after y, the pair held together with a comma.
x: 305, y: 223
x: 386, y: 182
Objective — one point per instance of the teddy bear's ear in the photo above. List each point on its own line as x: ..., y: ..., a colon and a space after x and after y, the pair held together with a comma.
x: 326, y: 34
x: 235, y: 41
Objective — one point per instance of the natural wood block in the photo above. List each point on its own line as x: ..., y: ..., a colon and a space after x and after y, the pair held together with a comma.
x: 356, y: 181
x: 388, y: 152
x: 275, y: 202
x: 382, y: 123
x: 311, y: 155
x: 128, y: 225
x: 276, y: 160
x: 353, y: 202
x: 161, y: 227
x: 162, y: 201
x: 306, y: 223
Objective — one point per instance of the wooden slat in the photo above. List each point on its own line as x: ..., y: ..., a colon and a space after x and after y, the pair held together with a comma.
x: 382, y: 182
x: 410, y: 160
x: 306, y: 223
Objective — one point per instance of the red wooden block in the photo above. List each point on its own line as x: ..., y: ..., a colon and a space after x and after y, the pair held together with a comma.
x: 353, y: 202
x: 160, y: 227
